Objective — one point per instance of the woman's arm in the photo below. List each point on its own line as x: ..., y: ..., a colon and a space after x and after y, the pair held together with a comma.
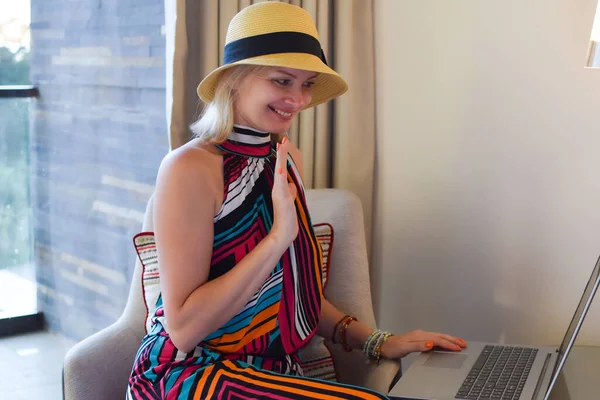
x: 396, y: 346
x: 184, y: 207
x: 356, y: 334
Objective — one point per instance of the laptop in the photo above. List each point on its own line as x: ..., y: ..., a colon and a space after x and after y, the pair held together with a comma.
x: 493, y: 371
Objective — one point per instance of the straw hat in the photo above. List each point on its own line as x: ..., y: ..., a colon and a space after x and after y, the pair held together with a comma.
x: 276, y: 34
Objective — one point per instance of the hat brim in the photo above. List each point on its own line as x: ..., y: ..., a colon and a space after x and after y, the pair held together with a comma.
x: 328, y: 84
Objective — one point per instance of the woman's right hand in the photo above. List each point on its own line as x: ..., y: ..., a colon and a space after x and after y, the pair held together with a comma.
x: 285, y: 219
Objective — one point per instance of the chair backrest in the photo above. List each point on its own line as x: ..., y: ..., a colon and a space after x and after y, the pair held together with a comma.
x: 134, y: 314
x: 349, y: 284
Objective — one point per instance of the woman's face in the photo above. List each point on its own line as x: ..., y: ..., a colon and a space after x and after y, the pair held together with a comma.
x: 269, y: 100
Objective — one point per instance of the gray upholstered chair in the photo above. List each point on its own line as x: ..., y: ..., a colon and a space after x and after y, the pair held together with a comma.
x: 99, y: 366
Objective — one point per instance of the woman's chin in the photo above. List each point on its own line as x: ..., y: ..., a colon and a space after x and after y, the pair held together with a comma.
x: 272, y: 125
x: 279, y: 127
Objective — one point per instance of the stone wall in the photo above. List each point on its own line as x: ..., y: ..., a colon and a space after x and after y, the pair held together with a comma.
x: 98, y: 134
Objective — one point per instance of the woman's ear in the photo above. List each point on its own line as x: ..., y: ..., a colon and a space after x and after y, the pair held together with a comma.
x: 233, y: 88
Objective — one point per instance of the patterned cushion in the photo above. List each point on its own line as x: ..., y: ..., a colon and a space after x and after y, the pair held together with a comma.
x: 316, y: 357
x: 145, y: 246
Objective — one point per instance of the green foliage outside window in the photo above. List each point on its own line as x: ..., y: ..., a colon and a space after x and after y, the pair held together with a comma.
x: 15, y: 209
x: 14, y: 67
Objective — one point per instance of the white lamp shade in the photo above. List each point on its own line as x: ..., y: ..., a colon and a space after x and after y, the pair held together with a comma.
x: 593, y: 58
x: 596, y: 28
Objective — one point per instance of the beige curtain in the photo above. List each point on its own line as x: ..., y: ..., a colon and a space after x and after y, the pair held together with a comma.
x: 337, y: 139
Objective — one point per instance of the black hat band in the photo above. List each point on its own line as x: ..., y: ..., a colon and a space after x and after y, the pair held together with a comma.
x: 272, y: 43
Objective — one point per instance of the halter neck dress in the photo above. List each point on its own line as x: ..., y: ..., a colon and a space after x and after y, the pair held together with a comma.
x: 255, y: 354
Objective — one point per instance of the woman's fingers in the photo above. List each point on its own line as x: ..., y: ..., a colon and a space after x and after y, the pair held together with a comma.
x: 447, y: 344
x: 453, y: 339
x: 412, y: 347
x: 293, y: 190
x: 439, y: 339
x: 285, y: 220
x: 281, y: 162
x: 417, y: 341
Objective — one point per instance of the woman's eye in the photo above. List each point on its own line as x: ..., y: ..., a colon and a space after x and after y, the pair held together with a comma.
x: 308, y: 84
x: 282, y: 82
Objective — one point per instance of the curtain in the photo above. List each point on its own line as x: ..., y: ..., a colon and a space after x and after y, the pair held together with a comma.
x: 337, y: 139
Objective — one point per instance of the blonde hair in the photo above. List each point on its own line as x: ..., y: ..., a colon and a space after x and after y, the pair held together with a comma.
x: 216, y: 121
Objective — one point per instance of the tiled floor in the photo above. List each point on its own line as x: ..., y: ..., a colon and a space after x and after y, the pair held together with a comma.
x: 31, y: 366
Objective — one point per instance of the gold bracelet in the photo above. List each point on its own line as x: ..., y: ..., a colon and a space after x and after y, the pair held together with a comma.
x: 380, y: 345
x: 345, y: 323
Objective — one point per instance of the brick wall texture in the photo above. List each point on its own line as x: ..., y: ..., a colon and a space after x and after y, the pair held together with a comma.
x: 97, y: 138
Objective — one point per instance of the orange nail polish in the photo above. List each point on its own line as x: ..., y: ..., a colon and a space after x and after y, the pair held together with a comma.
x: 281, y: 170
x: 429, y: 345
x: 284, y: 139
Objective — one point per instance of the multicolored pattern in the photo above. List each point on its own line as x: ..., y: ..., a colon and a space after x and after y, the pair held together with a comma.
x: 145, y: 246
x: 315, y: 357
x: 317, y: 361
x: 255, y: 354
x: 324, y: 234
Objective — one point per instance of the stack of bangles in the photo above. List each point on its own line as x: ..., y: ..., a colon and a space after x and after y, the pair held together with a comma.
x: 373, y: 344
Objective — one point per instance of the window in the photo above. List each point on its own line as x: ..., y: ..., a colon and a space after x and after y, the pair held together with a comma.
x: 17, y: 272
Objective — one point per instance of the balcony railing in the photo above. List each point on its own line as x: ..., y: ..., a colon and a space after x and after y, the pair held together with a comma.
x: 18, y: 91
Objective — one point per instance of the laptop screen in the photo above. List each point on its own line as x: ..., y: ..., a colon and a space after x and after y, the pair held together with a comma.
x: 582, y: 308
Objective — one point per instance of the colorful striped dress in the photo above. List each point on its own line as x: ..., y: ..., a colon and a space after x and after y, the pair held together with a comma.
x: 255, y: 354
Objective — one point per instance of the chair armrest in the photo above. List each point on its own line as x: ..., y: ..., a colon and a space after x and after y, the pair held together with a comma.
x: 352, y: 367
x: 99, y: 366
x: 384, y: 376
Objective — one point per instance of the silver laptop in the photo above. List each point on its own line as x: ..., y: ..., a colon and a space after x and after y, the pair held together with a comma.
x: 493, y: 371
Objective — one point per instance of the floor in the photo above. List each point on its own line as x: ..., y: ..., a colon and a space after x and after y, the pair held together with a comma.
x: 31, y: 366
x: 17, y: 291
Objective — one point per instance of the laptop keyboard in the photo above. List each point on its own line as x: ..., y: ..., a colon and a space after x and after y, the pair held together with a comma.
x: 499, y: 373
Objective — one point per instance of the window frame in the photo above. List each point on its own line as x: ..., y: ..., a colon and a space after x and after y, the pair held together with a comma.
x: 28, y: 322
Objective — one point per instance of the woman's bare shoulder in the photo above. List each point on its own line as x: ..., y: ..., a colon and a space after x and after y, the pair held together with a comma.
x: 195, y: 165
x: 193, y: 154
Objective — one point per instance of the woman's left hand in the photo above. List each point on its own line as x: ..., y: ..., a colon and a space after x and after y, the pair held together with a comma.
x: 398, y: 346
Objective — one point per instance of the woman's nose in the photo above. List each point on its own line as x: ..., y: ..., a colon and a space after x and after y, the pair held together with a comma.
x: 297, y: 98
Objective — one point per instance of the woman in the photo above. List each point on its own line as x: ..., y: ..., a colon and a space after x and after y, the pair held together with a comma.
x: 240, y: 265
